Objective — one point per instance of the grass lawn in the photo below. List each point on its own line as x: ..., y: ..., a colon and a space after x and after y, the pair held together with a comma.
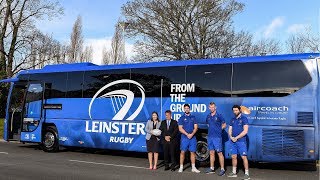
x: 1, y: 127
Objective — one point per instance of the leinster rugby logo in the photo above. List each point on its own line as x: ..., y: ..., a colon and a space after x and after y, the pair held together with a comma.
x: 121, y: 99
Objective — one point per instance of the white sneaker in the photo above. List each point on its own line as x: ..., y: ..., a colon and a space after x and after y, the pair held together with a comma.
x: 195, y: 170
x: 180, y: 170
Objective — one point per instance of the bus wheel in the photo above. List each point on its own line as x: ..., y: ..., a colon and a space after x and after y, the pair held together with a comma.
x: 50, y: 142
x: 202, y: 153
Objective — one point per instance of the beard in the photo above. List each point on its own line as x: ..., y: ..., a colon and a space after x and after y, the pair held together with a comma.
x: 236, y: 114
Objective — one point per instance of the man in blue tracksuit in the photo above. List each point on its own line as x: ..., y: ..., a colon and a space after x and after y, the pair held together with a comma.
x: 238, y: 130
x: 188, y: 127
x: 216, y: 124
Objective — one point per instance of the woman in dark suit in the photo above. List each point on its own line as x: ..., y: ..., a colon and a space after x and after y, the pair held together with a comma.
x: 153, y: 141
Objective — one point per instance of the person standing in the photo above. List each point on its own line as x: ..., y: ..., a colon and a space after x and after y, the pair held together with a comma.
x: 238, y: 131
x: 188, y: 127
x: 216, y: 124
x: 153, y: 141
x: 169, y: 132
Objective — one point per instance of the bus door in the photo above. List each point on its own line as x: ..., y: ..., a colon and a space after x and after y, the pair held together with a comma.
x: 15, y: 110
x: 32, y: 113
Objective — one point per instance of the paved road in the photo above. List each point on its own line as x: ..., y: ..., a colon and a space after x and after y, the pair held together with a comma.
x: 25, y: 161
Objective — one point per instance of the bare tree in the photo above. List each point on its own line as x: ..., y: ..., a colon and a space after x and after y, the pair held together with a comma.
x: 116, y: 55
x: 179, y: 29
x: 5, y: 9
x: 234, y: 44
x: 16, y: 26
x: 296, y: 44
x: 76, y: 41
x: 304, y: 41
x: 64, y: 50
x: 86, y: 55
x: 105, y: 55
x: 39, y: 50
x: 265, y: 46
x: 311, y: 41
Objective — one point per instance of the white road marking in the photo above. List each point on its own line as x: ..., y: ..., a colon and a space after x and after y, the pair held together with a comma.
x: 4, y: 141
x: 4, y: 153
x: 118, y: 165
x: 105, y: 164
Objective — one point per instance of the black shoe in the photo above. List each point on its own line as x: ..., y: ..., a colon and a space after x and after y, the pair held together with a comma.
x: 166, y: 168
x: 173, y: 167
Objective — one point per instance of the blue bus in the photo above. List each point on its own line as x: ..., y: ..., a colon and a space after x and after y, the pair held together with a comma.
x: 107, y: 107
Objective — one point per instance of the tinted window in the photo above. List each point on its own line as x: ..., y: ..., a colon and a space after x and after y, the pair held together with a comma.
x: 74, y: 84
x: 210, y: 80
x: 95, y: 80
x: 34, y: 93
x: 23, y: 77
x: 150, y: 79
x: 17, y: 96
x: 263, y: 79
x: 56, y: 85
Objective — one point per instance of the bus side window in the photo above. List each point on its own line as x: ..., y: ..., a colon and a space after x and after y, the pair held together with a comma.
x: 95, y: 80
x: 269, y: 79
x: 56, y: 84
x: 75, y: 84
x: 150, y: 79
x: 211, y: 80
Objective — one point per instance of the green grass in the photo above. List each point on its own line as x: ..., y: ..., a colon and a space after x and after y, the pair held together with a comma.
x: 1, y: 127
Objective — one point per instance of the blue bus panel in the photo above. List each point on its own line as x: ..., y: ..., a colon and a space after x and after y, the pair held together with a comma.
x: 113, y: 104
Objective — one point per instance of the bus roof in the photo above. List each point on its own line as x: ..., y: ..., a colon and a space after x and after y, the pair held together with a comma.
x: 91, y: 66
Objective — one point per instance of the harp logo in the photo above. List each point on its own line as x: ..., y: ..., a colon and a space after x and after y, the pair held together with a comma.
x: 121, y: 99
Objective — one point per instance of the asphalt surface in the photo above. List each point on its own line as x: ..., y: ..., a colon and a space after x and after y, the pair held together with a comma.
x: 24, y: 161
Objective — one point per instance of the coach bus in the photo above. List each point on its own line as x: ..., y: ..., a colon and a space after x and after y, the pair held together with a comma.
x: 107, y: 106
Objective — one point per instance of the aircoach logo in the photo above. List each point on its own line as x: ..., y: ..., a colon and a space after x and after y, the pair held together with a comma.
x: 121, y: 99
x: 269, y: 108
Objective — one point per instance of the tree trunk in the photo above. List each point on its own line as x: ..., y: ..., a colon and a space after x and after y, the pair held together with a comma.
x: 2, y: 36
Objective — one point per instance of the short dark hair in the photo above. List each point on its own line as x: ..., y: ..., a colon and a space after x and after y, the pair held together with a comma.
x: 186, y: 105
x: 168, y: 111
x: 236, y: 106
x: 212, y: 103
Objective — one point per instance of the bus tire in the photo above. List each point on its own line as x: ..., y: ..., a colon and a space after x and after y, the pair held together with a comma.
x: 202, y: 153
x: 50, y: 141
